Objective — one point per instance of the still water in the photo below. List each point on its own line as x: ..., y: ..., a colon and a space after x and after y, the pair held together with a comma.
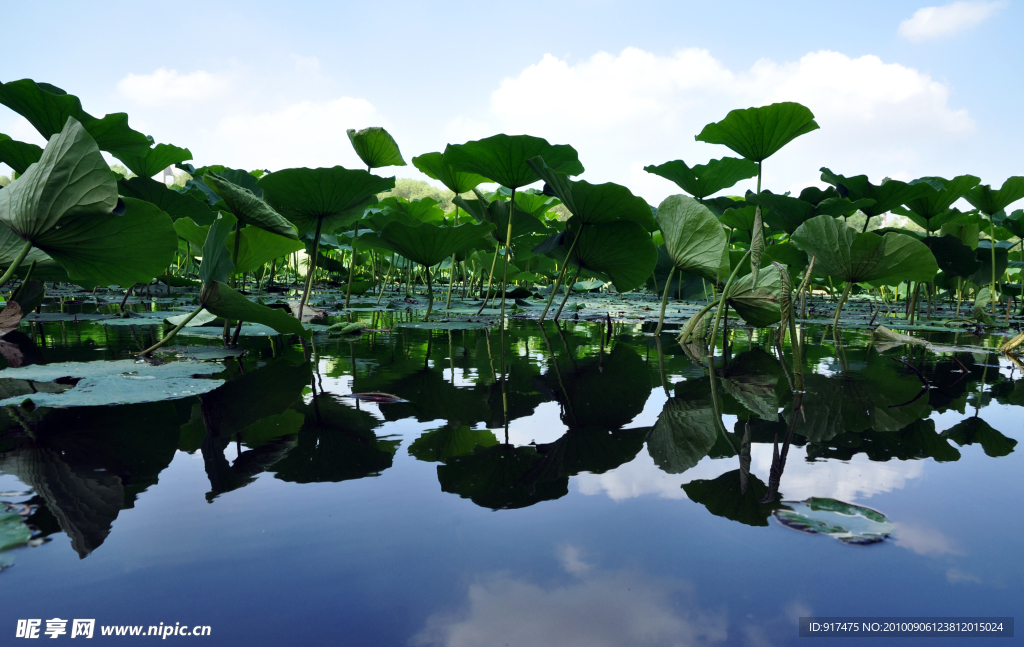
x: 608, y: 492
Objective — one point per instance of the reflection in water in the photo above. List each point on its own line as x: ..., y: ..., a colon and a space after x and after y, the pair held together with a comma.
x: 586, y: 607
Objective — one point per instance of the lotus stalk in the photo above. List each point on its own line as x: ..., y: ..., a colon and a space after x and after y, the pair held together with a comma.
x: 664, y: 301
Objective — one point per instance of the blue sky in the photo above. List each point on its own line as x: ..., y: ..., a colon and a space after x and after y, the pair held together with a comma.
x: 270, y: 85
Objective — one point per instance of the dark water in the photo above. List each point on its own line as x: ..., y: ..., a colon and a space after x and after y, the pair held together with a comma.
x: 278, y: 511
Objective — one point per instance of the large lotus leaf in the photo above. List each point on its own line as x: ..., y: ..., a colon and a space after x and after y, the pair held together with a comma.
x: 593, y: 203
x: 435, y: 166
x: 258, y: 247
x: 693, y: 237
x: 990, y: 202
x: 48, y: 108
x: 620, y: 250
x: 376, y: 147
x: 952, y: 256
x: 18, y: 155
x: 687, y: 287
x: 503, y: 158
x: 439, y: 445
x: 931, y: 205
x: 847, y: 255
x: 887, y: 196
x: 422, y: 210
x: 781, y: 212
x: 496, y: 213
x: 221, y: 300
x: 175, y: 204
x: 492, y: 477
x: 758, y: 306
x: 984, y: 255
x: 535, y: 204
x: 429, y: 244
x: 70, y: 178
x: 975, y: 430
x: 684, y: 434
x: 725, y: 497
x: 757, y: 133
x: 107, y: 249
x: 193, y: 233
x: 740, y: 218
x: 248, y: 208
x: 786, y: 253
x: 46, y: 269
x: 147, y: 163
x: 708, y: 179
x: 336, y: 195
x: 106, y: 382
x: 1014, y: 223
x: 217, y: 264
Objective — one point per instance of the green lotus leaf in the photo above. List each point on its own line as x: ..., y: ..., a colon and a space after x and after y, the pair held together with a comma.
x: 758, y: 306
x: 781, y: 212
x: 107, y: 249
x: 147, y: 163
x: 422, y: 210
x: 429, y: 244
x: 376, y: 147
x: 221, y: 300
x: 593, y: 203
x: 786, y: 253
x: 952, y: 256
x: 620, y: 250
x: 693, y: 237
x: 18, y: 155
x: 48, y: 108
x: 336, y: 196
x: 217, y: 264
x: 758, y: 133
x: 107, y: 382
x: 1014, y: 223
x: 435, y: 166
x: 503, y: 158
x: 535, y: 204
x: 931, y: 206
x: 708, y: 179
x: 194, y: 234
x: 248, y: 208
x: 496, y: 213
x: 70, y: 178
x: 684, y: 434
x: 46, y: 268
x: 887, y: 196
x: 740, y: 218
x: 990, y: 202
x: 257, y: 247
x: 845, y: 254
x: 13, y: 531
x: 175, y: 204
x: 984, y: 255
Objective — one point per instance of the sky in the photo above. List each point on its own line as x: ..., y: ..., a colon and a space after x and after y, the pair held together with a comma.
x: 900, y: 89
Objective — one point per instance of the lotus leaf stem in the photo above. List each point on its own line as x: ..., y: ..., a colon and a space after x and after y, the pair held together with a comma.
x: 664, y: 301
x: 839, y: 306
x: 722, y: 304
x: 311, y: 269
x: 174, y: 331
x: 558, y: 279
x: 16, y: 263
x: 568, y: 292
x: 494, y: 263
x: 508, y: 252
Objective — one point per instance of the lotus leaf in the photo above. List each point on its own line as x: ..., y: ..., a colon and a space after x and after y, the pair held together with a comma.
x: 376, y: 147
x: 758, y: 133
x: 248, y: 208
x: 332, y: 196
x: 704, y: 180
x: 435, y: 166
x: 147, y: 163
x: 18, y: 155
x: 844, y: 254
x: 174, y: 204
x: 503, y: 158
x: 694, y: 238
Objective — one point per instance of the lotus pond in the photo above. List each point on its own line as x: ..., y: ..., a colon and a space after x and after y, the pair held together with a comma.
x: 610, y: 490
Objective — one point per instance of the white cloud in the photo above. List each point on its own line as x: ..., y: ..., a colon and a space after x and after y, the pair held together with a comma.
x: 307, y: 133
x: 306, y: 63
x: 168, y: 88
x: 947, y: 20
x: 599, y: 608
x: 923, y: 540
x: 622, y: 112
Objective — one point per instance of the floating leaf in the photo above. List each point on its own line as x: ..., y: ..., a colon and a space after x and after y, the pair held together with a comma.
x: 847, y: 522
